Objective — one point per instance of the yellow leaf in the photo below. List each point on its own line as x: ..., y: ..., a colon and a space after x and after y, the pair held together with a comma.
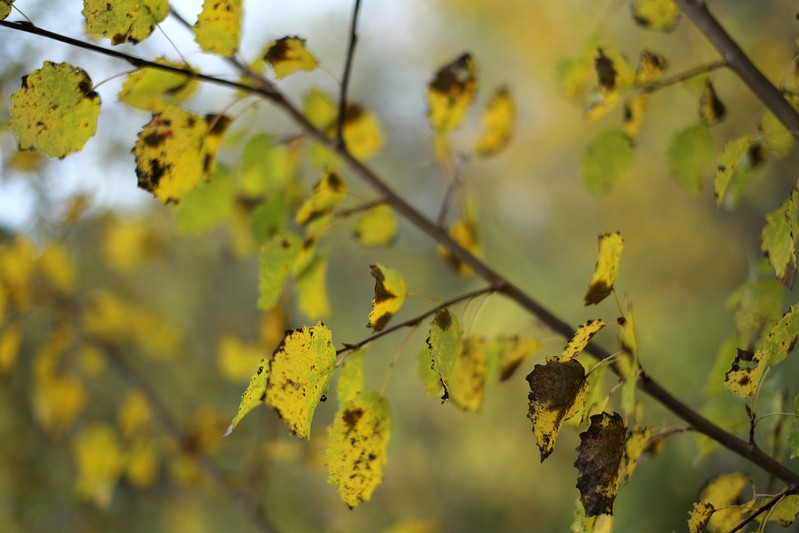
x: 134, y: 415
x: 299, y: 372
x: 633, y: 448
x: 350, y: 378
x: 329, y: 191
x: 699, y: 517
x: 581, y: 338
x: 711, y: 109
x: 129, y: 246
x: 356, y: 447
x: 361, y: 130
x: 465, y: 233
x: 254, y: 395
x: 58, y: 268
x: 726, y: 164
x: 607, y: 267
x: 311, y: 288
x: 236, y: 359
x: 627, y: 363
x: 777, y: 140
x: 658, y: 15
x: 58, y: 396
x: 514, y: 350
x: 289, y: 55
x: 634, y: 116
x: 498, y: 119
x: 153, y: 90
x: 319, y: 109
x: 744, y: 376
x: 106, y: 316
x: 218, y: 27
x: 450, y: 93
x: 723, y: 493
x: 55, y: 111
x: 5, y: 8
x: 389, y: 295
x: 613, y: 73
x: 100, y: 460
x: 377, y: 227
x: 651, y: 67
x: 124, y: 22
x: 443, y: 343
x: 466, y: 383
x: 10, y: 341
x: 142, y: 463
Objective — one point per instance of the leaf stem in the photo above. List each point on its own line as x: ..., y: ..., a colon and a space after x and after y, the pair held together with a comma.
x: 345, y: 79
x: 683, y: 76
x: 762, y: 509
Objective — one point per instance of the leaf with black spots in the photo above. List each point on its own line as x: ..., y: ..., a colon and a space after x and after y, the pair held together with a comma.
x: 781, y: 338
x: 779, y: 239
x: 724, y: 493
x: 254, y: 395
x: 657, y: 15
x: 599, y: 458
x: 581, y: 338
x: 651, y: 67
x: 450, y: 93
x: 289, y: 55
x: 735, y: 150
x: 699, y: 517
x: 218, y: 27
x: 711, y: 109
x: 124, y: 22
x: 389, y: 295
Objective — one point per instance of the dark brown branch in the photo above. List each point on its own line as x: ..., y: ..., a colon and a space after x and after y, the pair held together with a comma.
x: 760, y: 510
x: 683, y: 76
x: 366, y: 206
x: 417, y: 319
x: 737, y: 60
x: 345, y: 79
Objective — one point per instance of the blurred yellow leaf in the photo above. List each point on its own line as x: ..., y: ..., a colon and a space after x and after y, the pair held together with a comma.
x: 465, y: 233
x: 377, y: 227
x: 389, y: 295
x: 633, y: 448
x: 124, y: 22
x: 289, y: 55
x: 466, y: 383
x: 498, y: 119
x: 777, y: 140
x: 142, y: 463
x: 311, y: 288
x: 699, y: 517
x: 218, y: 27
x: 236, y: 359
x: 361, y: 130
x: 634, y: 115
x: 106, y: 316
x: 130, y: 245
x: 450, y: 93
x: 100, y: 460
x: 658, y: 15
x: 607, y: 268
x: 319, y: 109
x: 27, y: 161
x: 514, y: 350
x: 329, y: 191
x: 58, y: 268
x: 134, y: 414
x: 153, y: 90
x: 723, y: 493
x: 10, y: 341
x: 58, y: 396
x: 651, y: 67
x: 350, y: 378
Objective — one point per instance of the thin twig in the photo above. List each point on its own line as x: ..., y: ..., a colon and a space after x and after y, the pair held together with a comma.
x: 760, y: 510
x: 683, y: 76
x: 737, y: 60
x: 345, y: 79
x: 366, y: 206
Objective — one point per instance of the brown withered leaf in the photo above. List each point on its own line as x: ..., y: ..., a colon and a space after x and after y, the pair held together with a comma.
x: 599, y: 457
x: 711, y: 109
x: 605, y: 71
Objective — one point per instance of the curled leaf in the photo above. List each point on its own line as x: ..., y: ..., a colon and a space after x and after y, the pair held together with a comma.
x: 389, y: 296
x: 599, y: 458
x: 606, y: 269
x: 581, y: 338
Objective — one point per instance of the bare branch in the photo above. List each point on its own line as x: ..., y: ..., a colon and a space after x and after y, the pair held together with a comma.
x: 345, y: 80
x: 760, y: 510
x: 683, y: 76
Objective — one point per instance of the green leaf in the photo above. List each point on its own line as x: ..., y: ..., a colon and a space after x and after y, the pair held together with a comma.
x: 786, y: 511
x: 599, y: 458
x: 657, y: 15
x: 581, y: 338
x: 377, y: 227
x: 557, y: 393
x: 690, y: 155
x: 430, y: 378
x: 153, y: 89
x: 606, y: 269
x: 467, y: 381
x: 269, y: 218
x: 300, y: 370
x: 758, y: 306
x: 55, y: 111
x: 357, y: 443
x: 124, y: 22
x: 254, y: 395
x: 777, y: 140
x: 444, y: 343
x: 218, y: 27
x: 781, y: 338
x: 389, y: 295
x: 208, y: 204
x: 277, y: 258
x: 793, y: 432
x: 289, y: 55
x: 5, y: 8
x: 726, y: 164
x: 311, y: 288
x: 266, y: 166
x: 350, y: 377
x: 779, y: 239
x: 606, y: 160
x: 450, y: 93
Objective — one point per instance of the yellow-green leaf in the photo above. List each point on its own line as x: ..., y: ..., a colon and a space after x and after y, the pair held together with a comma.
x: 430, y: 378
x: 628, y: 361
x: 350, y: 378
x: 690, y: 155
x: 319, y: 109
x: 289, y: 55
x: 389, y: 295
x: 208, y: 204
x: 299, y: 373
x: 781, y: 338
x: 55, y: 111
x: 651, y: 67
x: 613, y: 73
x: 599, y: 458
x: 557, y: 393
x: 777, y: 140
x: 444, y: 343
x: 277, y: 258
x: 658, y: 15
x: 723, y: 493
x: 606, y: 160
x: 711, y: 109
x: 699, y: 517
x: 779, y: 239
x: 581, y: 338
x: 377, y: 227
x: 450, y: 93
x: 100, y: 460
x: 357, y: 443
x: 329, y: 191
x: 254, y: 395
x: 5, y: 8
x: 786, y: 511
x: 361, y: 130
x: 311, y: 288
x: 153, y: 89
x: 124, y: 22
x: 726, y: 164
x: 514, y: 350
x: 606, y: 269
x: 633, y: 448
x: 218, y: 27
x: 634, y: 115
x: 266, y: 166
x: 498, y: 119
x: 793, y: 432
x: 466, y: 383
x: 465, y: 232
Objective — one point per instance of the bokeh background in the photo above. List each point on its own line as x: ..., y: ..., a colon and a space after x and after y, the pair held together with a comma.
x: 447, y: 469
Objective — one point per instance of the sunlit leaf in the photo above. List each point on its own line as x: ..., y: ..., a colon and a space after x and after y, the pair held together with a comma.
x: 124, y: 22
x: 558, y: 390
x: 55, y: 111
x: 633, y: 448
x: 357, y: 443
x: 329, y: 191
x: 209, y: 204
x: 377, y: 227
x: 218, y: 27
x: 651, y: 67
x: 289, y: 55
x: 350, y: 378
x: 606, y: 160
x: 361, y: 130
x: 777, y: 140
x: 444, y: 342
x: 254, y: 395
x: 581, y: 338
x: 277, y: 259
x: 599, y: 457
x: 450, y: 93
x: 319, y: 109
x: 779, y: 239
x: 311, y: 288
x: 699, y: 517
x: 300, y: 371
x: 782, y: 337
x: 153, y: 89
x: 10, y: 341
x: 5, y: 8
x: 497, y: 120
x: 711, y: 109
x: 100, y: 459
x: 690, y: 155
x: 606, y: 269
x: 726, y: 164
x: 466, y: 383
x: 658, y: 15
x: 389, y: 295
x: 723, y: 493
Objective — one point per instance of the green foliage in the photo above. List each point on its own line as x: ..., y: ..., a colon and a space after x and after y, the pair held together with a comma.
x: 606, y: 160
x: 690, y: 154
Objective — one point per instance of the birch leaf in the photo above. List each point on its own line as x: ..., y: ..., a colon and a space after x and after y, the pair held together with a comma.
x: 443, y: 345
x: 606, y: 269
x: 377, y: 227
x: 289, y: 55
x: 254, y: 395
x: 5, y: 8
x: 124, y: 22
x: 350, y: 378
x: 726, y: 164
x: 779, y: 239
x: 329, y: 191
x: 450, y: 93
x: 276, y: 260
x: 599, y: 457
x: 153, y: 90
x: 389, y: 295
x: 699, y: 517
x: 690, y: 155
x: 657, y: 15
x: 497, y: 120
x: 466, y: 383
x: 311, y: 288
x: 218, y: 27
x: 581, y: 338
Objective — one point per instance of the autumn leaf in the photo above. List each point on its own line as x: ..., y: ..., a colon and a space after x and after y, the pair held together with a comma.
x: 154, y: 89
x: 606, y: 160
x: 581, y: 338
x: 690, y: 155
x: 633, y: 448
x: 723, y: 493
x: 606, y: 269
x: 100, y: 460
x: 599, y: 458
x: 389, y: 296
x: 782, y: 337
x: 711, y: 109
x: 443, y: 344
x: 658, y: 15
x: 289, y: 55
x: 557, y: 392
x: 124, y: 22
x: 779, y: 239
x: 319, y: 109
x: 634, y: 115
x: 218, y: 27
x: 350, y: 377
x: 699, y: 517
x: 361, y: 130
x: 377, y: 227
x: 276, y: 261
x: 465, y: 233
x: 55, y: 111
x: 726, y: 164
x: 235, y: 359
x: 450, y: 93
x: 5, y: 8
x: 328, y: 192
x: 466, y: 383
x: 612, y: 74
x: 777, y: 141
x: 357, y: 445
x: 497, y: 120
x: 786, y: 511
x: 311, y: 288
x: 651, y: 67
x: 744, y: 377
x: 254, y: 395
x: 209, y: 204
x: 513, y: 351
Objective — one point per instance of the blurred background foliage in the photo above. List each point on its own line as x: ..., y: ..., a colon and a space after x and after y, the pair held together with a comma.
x: 158, y: 383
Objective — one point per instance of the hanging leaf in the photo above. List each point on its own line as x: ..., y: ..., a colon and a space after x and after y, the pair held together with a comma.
x: 254, y: 395
x: 361, y: 130
x: 311, y: 288
x: 782, y: 337
x: 450, y: 93
x: 153, y: 89
x: 777, y: 141
x: 329, y: 191
x: 793, y: 432
x: 690, y: 155
x: 514, y: 350
x: 658, y: 15
x: 429, y: 377
x: 723, y: 493
x: 350, y: 378
x: 497, y: 120
x: 389, y: 296
x: 289, y: 55
x: 357, y: 443
x: 633, y: 448
x: 443, y: 344
x: 628, y: 360
x: 465, y: 233
x: 466, y: 383
x: 726, y: 164
x: 100, y: 460
x: 299, y: 372
x: 606, y: 269
x: 319, y: 109
x: 266, y: 165
x: 55, y: 111
x: 634, y: 116
x: 711, y: 109
x: 606, y: 160
x: 277, y: 258
x: 598, y: 460
x: 218, y: 27
x: 209, y: 204
x: 779, y: 239
x: 124, y: 22
x: 558, y: 391
x: 377, y: 227
x: 758, y: 305
x: 5, y: 8
x: 699, y: 517
x: 651, y: 67
x: 581, y: 338
x: 786, y: 511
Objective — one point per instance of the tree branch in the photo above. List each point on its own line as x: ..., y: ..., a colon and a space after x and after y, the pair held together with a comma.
x: 737, y: 60
x: 760, y: 510
x: 682, y: 76
x: 345, y: 80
